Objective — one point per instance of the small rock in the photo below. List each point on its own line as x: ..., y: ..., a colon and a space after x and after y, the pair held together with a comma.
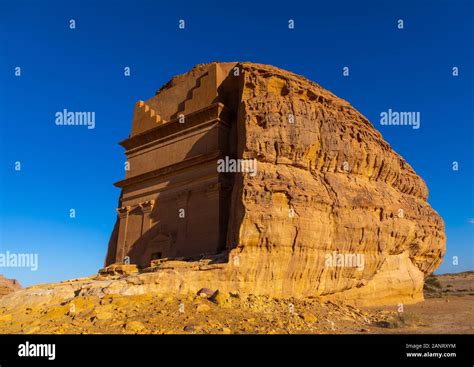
x: 119, y: 269
x: 105, y: 300
x: 309, y: 317
x: 103, y: 315
x: 193, y: 328
x: 203, y: 308
x: 190, y: 328
x: 206, y: 293
x: 104, y: 308
x: 219, y: 298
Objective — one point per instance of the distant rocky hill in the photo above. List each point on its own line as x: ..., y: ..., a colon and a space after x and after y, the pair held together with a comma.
x: 8, y: 286
x: 450, y: 284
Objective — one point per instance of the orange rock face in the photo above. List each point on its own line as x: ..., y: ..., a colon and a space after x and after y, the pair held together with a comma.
x: 329, y: 209
x: 328, y: 186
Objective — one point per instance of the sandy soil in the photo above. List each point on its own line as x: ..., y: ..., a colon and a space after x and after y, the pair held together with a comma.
x: 448, y: 308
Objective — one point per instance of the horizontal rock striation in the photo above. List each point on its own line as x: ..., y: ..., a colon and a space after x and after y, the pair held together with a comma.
x: 327, y: 184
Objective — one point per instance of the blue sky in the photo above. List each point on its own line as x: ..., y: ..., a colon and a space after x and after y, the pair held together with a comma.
x: 82, y: 70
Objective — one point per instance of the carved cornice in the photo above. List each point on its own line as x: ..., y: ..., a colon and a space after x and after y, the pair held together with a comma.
x: 216, y: 112
x: 160, y: 172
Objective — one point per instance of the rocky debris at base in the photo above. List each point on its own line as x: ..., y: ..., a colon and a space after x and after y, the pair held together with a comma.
x: 134, y: 304
x: 130, y: 304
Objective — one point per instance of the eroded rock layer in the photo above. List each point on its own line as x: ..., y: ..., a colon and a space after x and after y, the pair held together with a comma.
x: 327, y: 185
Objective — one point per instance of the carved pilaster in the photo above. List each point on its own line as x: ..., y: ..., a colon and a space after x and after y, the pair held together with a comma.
x: 147, y: 208
x: 122, y: 235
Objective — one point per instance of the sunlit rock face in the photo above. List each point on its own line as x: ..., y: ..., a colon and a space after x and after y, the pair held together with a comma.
x: 328, y: 209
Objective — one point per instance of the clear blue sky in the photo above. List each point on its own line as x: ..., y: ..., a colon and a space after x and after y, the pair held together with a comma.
x: 82, y: 70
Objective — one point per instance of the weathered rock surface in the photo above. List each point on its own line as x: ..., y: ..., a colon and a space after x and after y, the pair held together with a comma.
x: 327, y: 182
x: 327, y: 187
x: 8, y: 286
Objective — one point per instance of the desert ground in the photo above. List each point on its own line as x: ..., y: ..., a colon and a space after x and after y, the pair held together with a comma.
x: 448, y: 308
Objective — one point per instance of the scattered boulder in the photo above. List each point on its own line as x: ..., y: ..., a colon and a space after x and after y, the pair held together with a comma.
x: 309, y: 317
x: 220, y: 298
x: 119, y: 269
x: 206, y: 293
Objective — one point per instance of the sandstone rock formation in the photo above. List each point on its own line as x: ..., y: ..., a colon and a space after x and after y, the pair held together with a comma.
x: 8, y: 286
x: 328, y: 191
x: 351, y: 193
